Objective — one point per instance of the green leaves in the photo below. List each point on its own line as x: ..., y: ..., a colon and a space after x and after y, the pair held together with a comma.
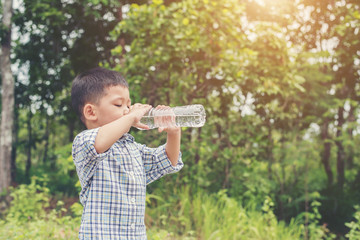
x: 269, y: 83
x: 27, y: 204
x: 354, y: 226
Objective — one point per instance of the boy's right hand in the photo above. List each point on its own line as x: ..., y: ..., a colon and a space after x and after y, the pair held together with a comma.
x: 137, y: 111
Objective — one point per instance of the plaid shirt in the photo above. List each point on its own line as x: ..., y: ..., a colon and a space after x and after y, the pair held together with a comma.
x: 114, y: 185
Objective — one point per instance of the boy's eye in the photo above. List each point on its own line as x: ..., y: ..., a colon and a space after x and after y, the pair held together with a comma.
x: 118, y: 105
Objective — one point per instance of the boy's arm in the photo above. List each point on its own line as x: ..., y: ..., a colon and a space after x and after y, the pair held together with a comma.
x: 109, y: 133
x: 172, y: 147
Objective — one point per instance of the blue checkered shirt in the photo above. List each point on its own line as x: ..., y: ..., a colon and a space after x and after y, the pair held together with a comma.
x: 114, y: 185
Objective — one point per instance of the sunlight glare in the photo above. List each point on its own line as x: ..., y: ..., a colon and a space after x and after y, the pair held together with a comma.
x: 269, y: 2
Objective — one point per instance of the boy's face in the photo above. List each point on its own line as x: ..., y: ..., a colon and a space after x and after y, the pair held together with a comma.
x: 113, y: 105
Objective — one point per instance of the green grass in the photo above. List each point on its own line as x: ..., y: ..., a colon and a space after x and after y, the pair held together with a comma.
x: 178, y: 215
x: 210, y: 217
x: 41, y: 229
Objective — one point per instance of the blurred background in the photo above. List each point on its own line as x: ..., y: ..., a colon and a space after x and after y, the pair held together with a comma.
x: 278, y: 157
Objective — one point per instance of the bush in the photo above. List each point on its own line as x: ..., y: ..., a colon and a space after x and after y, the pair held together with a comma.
x: 29, y: 215
x: 354, y: 233
x: 28, y: 202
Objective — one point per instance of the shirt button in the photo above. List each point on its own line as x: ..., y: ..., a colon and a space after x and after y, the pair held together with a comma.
x: 131, y: 173
x: 132, y: 200
x: 132, y: 226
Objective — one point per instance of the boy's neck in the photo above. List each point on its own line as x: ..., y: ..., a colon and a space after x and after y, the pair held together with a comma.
x: 91, y: 125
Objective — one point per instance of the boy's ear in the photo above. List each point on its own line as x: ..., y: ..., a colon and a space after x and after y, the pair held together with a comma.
x: 89, y: 112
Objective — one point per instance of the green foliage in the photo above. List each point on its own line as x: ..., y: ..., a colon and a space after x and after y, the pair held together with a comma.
x: 200, y: 50
x: 182, y: 214
x: 42, y: 229
x: 354, y: 226
x: 64, y: 180
x: 263, y: 95
x: 313, y: 229
x: 29, y: 201
x: 274, y: 89
x: 179, y: 43
x: 30, y: 215
x: 197, y: 215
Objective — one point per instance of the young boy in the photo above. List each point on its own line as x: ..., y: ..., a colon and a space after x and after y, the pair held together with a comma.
x: 112, y: 168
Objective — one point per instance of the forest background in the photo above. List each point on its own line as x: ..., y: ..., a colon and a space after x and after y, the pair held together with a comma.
x: 278, y: 157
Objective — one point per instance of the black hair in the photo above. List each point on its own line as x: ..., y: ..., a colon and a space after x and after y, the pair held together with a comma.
x: 89, y: 87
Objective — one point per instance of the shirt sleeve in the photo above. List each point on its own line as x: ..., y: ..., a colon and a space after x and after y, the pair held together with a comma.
x: 85, y: 157
x: 157, y: 163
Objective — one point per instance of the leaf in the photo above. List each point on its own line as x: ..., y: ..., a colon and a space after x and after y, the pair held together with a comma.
x: 356, y: 14
x: 186, y: 21
x: 299, y: 87
x: 117, y: 50
x: 158, y: 2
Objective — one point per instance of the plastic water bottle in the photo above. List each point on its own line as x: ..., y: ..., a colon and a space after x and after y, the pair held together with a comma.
x: 182, y: 116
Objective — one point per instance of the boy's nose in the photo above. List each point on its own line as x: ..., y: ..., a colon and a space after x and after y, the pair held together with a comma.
x: 126, y: 111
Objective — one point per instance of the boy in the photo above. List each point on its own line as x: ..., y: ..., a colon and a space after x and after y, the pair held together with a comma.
x: 112, y: 168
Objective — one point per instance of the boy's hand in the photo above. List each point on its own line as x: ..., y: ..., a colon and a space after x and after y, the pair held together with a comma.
x: 137, y: 111
x: 168, y: 120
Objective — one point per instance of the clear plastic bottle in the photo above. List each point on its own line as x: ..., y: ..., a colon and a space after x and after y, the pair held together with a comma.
x: 182, y: 116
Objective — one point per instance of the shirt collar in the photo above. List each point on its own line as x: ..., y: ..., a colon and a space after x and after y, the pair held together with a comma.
x: 127, y: 137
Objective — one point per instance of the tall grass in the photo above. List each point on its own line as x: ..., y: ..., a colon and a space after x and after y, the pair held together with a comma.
x: 201, y: 216
x: 181, y: 214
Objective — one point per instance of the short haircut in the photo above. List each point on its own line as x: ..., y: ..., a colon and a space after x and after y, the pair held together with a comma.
x: 89, y: 87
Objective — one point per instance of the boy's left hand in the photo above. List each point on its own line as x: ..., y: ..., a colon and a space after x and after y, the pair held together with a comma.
x: 168, y: 120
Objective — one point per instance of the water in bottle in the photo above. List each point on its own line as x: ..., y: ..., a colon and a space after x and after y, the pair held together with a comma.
x: 182, y: 116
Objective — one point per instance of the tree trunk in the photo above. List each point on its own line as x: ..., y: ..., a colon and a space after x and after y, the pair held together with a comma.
x: 29, y: 145
x: 269, y: 150
x: 351, y: 120
x: 15, y: 141
x: 227, y: 174
x: 121, y: 40
x: 226, y: 183
x: 46, y: 138
x: 340, y: 163
x: 325, y: 158
x: 7, y: 110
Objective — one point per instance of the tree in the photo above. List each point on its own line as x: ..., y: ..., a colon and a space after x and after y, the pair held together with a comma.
x: 64, y: 38
x: 198, y: 52
x: 328, y: 30
x: 7, y: 100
